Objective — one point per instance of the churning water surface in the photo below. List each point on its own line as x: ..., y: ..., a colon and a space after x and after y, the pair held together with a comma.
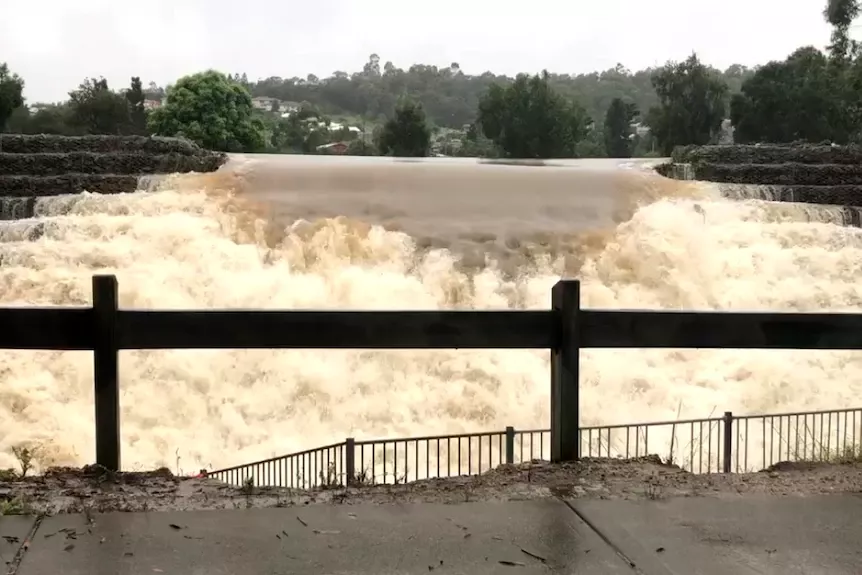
x: 372, y: 233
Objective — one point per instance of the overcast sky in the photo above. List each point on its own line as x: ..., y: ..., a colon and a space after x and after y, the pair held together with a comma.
x: 54, y: 44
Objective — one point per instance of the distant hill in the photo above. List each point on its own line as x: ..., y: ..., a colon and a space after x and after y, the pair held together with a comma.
x: 449, y: 96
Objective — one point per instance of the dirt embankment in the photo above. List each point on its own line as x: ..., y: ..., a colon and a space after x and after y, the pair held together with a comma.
x: 93, y: 489
x: 44, y: 165
x: 806, y: 173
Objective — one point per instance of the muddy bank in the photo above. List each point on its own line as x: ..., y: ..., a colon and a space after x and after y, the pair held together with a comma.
x: 93, y: 489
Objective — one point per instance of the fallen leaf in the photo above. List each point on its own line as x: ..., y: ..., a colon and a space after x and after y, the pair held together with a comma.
x: 157, y: 570
x: 175, y: 526
x: 102, y: 540
x: 466, y: 535
x: 304, y: 524
x: 512, y: 563
x: 324, y: 532
x: 69, y: 547
x: 534, y: 556
x: 659, y: 550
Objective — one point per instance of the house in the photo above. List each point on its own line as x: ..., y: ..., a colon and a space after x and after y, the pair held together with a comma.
x: 338, y: 126
x: 640, y: 129
x: 333, y: 148
x: 151, y: 104
x: 266, y: 104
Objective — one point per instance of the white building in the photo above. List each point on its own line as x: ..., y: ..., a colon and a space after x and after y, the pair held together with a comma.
x: 266, y: 104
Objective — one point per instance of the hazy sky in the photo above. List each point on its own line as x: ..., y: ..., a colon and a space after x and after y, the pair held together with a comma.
x: 54, y: 44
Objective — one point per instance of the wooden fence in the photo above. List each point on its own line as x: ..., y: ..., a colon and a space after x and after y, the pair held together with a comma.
x: 564, y: 329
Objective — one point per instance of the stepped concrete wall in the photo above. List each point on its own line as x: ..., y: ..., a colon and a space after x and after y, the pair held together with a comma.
x: 813, y: 174
x: 45, y: 143
x: 768, y: 154
x: 46, y: 165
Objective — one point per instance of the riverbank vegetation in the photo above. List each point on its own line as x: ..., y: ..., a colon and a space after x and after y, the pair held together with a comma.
x: 813, y: 95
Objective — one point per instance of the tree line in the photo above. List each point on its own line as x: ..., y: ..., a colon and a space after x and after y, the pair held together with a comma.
x: 812, y: 96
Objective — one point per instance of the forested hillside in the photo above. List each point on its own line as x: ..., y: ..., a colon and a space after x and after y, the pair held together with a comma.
x: 450, y: 97
x: 813, y: 95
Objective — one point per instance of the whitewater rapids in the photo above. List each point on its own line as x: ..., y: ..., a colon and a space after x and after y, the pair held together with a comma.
x: 360, y: 233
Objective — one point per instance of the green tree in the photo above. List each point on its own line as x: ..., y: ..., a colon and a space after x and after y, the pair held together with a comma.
x: 137, y: 113
x: 802, y: 98
x: 691, y: 104
x: 11, y: 94
x: 43, y: 119
x: 617, y: 129
x: 406, y: 134
x: 528, y: 119
x: 840, y: 14
x: 451, y: 98
x: 212, y: 110
x: 96, y: 109
x: 360, y: 147
x: 593, y: 143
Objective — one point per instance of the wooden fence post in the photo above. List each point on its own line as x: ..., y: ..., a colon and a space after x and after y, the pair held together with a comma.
x: 105, y: 369
x: 565, y: 367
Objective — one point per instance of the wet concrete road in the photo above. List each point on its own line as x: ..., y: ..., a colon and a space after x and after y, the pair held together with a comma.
x: 740, y: 536
x: 473, y: 538
x: 691, y: 536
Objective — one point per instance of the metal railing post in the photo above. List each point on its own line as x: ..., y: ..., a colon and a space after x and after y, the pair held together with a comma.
x: 727, y: 454
x: 565, y: 367
x: 510, y: 444
x: 350, y: 461
x: 106, y: 372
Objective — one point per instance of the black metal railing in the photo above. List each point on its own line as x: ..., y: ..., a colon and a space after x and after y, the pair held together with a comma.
x: 564, y: 329
x: 727, y: 444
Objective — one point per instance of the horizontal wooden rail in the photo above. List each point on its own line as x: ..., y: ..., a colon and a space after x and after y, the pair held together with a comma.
x: 713, y: 329
x: 46, y: 328
x: 336, y: 329
x: 564, y: 329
